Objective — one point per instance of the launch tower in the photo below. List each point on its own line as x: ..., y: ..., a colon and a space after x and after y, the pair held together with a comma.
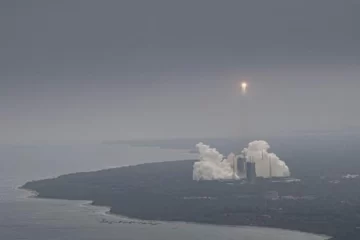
x: 250, y: 171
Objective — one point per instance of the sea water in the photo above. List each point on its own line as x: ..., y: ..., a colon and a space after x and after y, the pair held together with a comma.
x: 26, y: 218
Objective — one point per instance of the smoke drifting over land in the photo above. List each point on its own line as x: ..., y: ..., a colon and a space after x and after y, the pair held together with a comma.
x: 212, y: 165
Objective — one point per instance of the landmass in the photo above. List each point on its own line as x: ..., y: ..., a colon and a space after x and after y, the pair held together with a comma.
x: 328, y: 205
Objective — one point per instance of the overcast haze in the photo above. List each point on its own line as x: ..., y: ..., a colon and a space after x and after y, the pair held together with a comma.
x: 86, y: 70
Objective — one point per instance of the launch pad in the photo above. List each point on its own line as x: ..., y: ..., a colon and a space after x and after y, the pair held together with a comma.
x: 244, y: 168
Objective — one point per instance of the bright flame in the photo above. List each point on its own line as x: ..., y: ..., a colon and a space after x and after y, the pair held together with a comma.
x: 244, y: 86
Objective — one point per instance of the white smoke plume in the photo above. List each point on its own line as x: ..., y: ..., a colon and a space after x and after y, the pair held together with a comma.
x: 257, y: 151
x: 212, y: 165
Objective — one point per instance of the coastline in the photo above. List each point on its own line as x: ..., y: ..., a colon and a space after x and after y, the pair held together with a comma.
x: 107, y: 212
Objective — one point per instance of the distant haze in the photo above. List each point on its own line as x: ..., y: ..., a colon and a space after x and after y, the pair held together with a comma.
x: 91, y: 70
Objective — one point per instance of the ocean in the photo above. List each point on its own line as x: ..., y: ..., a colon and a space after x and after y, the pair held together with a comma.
x: 23, y: 217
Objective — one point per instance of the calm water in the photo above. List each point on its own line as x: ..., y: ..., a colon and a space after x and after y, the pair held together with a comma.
x: 40, y: 219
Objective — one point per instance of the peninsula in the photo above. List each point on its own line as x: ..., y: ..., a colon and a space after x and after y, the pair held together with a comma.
x: 165, y: 191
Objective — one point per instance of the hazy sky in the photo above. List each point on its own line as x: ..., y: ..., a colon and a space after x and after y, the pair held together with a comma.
x: 86, y: 70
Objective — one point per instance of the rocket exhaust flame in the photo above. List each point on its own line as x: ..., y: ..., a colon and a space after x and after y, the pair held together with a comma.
x: 244, y: 87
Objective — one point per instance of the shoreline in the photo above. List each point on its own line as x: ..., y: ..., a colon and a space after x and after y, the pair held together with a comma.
x: 107, y: 212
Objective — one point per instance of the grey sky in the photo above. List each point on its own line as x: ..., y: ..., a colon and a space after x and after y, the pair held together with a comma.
x: 86, y: 70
